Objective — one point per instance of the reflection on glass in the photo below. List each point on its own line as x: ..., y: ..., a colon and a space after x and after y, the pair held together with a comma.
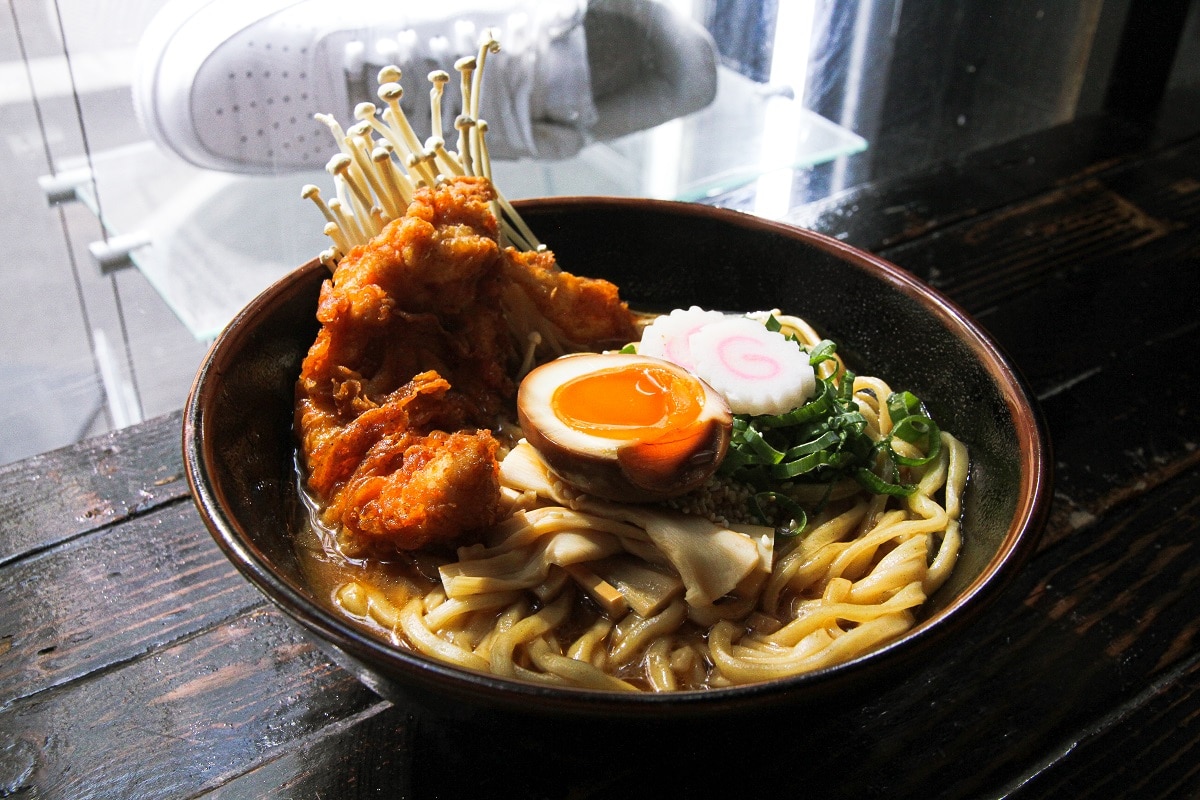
x: 214, y: 239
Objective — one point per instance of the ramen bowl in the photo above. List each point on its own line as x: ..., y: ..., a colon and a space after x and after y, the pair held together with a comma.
x: 240, y: 449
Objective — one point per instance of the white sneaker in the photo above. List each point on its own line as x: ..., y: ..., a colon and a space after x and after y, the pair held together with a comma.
x: 233, y: 84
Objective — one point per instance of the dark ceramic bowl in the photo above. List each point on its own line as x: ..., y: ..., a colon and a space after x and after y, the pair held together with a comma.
x: 239, y: 448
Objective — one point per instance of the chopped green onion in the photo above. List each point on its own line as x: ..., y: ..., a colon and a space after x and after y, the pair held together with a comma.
x: 822, y: 442
x: 754, y: 440
x: 912, y: 424
x: 912, y: 430
x: 873, y: 483
x: 822, y: 351
x: 792, y: 512
x: 819, y: 406
x: 825, y: 441
x: 805, y: 465
x: 903, y: 404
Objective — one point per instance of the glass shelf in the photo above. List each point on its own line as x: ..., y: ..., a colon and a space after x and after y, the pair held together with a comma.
x: 209, y: 242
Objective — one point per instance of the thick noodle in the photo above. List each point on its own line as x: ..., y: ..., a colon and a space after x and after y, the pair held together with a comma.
x: 568, y: 591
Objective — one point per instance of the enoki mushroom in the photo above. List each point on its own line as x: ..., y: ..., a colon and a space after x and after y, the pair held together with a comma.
x: 381, y: 160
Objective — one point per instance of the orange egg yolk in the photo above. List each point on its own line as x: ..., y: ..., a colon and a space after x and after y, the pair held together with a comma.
x: 636, y: 402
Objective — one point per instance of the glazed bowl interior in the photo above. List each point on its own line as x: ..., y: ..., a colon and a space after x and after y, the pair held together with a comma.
x: 239, y: 448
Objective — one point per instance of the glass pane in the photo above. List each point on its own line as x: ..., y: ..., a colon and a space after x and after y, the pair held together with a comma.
x: 139, y: 232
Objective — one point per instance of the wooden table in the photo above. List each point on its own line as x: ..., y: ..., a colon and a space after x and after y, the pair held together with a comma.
x: 135, y: 662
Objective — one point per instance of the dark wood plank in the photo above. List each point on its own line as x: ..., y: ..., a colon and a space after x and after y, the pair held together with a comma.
x: 1150, y: 749
x: 52, y: 497
x: 1039, y: 672
x: 881, y: 214
x: 195, y: 684
x: 877, y: 214
x: 1062, y: 613
x: 368, y: 755
x: 1136, y: 214
x: 1090, y: 290
x: 186, y: 719
x: 104, y: 599
x: 1082, y: 632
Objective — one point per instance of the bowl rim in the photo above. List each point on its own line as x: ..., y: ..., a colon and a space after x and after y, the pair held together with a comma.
x: 1019, y: 542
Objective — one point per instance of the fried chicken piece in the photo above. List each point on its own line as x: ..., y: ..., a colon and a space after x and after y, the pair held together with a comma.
x: 412, y: 342
x: 416, y: 359
x: 413, y: 490
x: 396, y: 479
x: 423, y: 295
x: 335, y: 454
x: 587, y: 311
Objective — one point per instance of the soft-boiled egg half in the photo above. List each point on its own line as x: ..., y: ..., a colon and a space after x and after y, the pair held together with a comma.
x: 623, y: 426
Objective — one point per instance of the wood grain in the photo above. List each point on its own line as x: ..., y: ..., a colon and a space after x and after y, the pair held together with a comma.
x: 182, y: 719
x: 1090, y: 290
x: 99, y: 601
x: 136, y: 663
x: 52, y: 497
